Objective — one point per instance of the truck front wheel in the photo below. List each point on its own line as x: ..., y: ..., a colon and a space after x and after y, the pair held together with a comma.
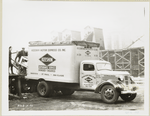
x: 44, y: 89
x: 128, y: 97
x: 109, y: 94
x: 67, y: 91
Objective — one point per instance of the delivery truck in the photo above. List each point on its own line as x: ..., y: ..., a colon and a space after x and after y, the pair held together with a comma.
x: 75, y: 66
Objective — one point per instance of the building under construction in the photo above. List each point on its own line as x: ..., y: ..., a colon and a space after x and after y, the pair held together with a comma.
x: 131, y: 60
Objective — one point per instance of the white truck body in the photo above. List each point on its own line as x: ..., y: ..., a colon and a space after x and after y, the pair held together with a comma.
x: 59, y: 63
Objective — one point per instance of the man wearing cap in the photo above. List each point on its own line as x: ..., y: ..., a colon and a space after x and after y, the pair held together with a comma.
x: 21, y: 53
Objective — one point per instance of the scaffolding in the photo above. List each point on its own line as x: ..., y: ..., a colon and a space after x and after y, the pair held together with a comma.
x: 131, y: 60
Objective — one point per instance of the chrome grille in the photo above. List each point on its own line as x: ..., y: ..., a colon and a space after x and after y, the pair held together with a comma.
x: 126, y: 79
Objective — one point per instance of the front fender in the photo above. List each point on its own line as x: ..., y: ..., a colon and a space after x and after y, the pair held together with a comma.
x: 115, y: 84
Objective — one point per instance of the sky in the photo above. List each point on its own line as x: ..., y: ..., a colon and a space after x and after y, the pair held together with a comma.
x: 121, y: 22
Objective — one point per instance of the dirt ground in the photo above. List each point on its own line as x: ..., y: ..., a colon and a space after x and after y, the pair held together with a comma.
x: 78, y: 101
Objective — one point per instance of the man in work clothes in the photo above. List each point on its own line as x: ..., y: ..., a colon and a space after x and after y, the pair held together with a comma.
x: 21, y: 53
x: 10, y: 63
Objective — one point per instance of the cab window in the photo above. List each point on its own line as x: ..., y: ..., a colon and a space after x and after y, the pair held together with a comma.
x: 88, y: 67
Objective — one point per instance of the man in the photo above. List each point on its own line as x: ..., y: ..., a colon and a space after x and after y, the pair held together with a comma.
x: 10, y: 64
x: 21, y: 53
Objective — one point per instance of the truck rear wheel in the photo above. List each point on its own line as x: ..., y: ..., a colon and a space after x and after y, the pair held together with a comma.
x: 109, y: 94
x: 128, y: 97
x: 67, y: 91
x: 44, y: 89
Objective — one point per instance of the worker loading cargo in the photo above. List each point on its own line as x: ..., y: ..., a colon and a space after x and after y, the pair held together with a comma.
x: 20, y: 54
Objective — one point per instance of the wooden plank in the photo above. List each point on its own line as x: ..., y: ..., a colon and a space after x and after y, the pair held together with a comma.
x: 141, y: 52
x: 122, y: 62
x: 141, y: 73
x: 118, y: 66
x: 125, y: 67
x: 14, y: 96
x: 140, y: 59
x: 105, y: 54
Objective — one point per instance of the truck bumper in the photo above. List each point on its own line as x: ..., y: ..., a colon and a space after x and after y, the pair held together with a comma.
x: 128, y: 92
x: 128, y: 89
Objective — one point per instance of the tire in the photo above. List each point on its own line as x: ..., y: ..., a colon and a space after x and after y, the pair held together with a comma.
x: 67, y: 91
x: 44, y: 89
x: 109, y: 94
x: 128, y: 97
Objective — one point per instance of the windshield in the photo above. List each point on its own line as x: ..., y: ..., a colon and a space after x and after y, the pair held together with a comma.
x: 103, y: 66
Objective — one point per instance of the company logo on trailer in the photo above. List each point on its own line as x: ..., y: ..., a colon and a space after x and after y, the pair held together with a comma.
x: 47, y: 59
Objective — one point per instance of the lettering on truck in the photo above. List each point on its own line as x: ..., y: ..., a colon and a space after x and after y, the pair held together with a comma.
x: 46, y: 59
x: 47, y: 68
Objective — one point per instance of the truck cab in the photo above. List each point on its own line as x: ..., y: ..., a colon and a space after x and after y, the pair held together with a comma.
x: 98, y: 76
x: 90, y: 71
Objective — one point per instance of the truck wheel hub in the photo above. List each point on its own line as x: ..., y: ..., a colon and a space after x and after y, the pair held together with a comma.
x: 43, y: 90
x: 108, y: 93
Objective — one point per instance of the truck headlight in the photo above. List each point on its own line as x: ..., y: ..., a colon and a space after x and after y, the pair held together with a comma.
x: 120, y: 78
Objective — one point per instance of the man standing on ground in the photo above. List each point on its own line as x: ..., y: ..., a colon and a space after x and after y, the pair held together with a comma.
x: 10, y: 63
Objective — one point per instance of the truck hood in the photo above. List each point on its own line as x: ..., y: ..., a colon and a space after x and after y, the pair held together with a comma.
x: 113, y: 72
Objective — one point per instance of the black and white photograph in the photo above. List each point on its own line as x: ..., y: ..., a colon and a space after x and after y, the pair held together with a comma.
x: 75, y: 57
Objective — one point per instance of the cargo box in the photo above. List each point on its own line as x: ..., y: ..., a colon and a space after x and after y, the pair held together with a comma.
x: 61, y: 62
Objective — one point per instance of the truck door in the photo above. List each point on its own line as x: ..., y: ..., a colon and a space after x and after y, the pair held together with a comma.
x: 87, y: 76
